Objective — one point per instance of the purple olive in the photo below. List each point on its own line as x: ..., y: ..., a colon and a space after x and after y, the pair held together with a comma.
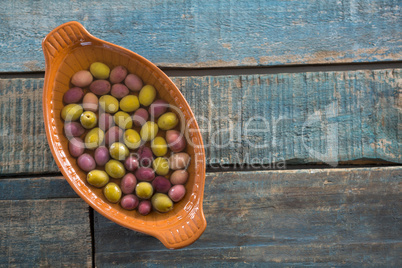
x: 73, y: 129
x: 100, y: 87
x: 145, y: 174
x: 118, y: 74
x: 76, y: 147
x: 133, y: 82
x: 129, y: 202
x: 157, y: 108
x: 161, y: 184
x: 128, y: 183
x: 73, y: 95
x: 119, y: 91
x: 145, y: 156
x: 177, y: 192
x: 145, y: 207
x: 105, y: 121
x: 114, y: 134
x: 101, y: 156
x: 140, y: 117
x: 86, y: 162
x: 131, y: 163
x: 175, y: 140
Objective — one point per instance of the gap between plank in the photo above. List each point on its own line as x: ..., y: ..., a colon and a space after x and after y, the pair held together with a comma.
x: 216, y: 71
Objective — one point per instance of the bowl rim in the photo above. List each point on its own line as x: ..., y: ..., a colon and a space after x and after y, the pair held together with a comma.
x: 168, y: 237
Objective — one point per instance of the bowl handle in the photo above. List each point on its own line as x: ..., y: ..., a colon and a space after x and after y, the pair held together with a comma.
x: 66, y: 35
x: 184, y: 234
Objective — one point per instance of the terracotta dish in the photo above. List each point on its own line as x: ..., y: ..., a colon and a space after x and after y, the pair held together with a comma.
x: 70, y: 48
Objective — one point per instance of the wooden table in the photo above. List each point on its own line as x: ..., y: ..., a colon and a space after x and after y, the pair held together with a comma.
x: 300, y: 103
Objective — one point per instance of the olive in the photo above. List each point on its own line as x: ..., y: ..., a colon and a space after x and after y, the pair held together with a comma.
x: 115, y: 169
x: 175, y: 141
x: 168, y: 121
x: 118, y: 151
x: 97, y: 178
x: 161, y: 202
x: 86, y: 162
x: 159, y: 146
x: 144, y: 190
x: 161, y: 166
x: 177, y: 192
x: 132, y: 139
x: 82, y: 78
x: 100, y: 87
x: 123, y: 120
x: 144, y: 207
x: 131, y: 163
x: 129, y: 202
x: 161, y: 184
x: 147, y: 95
x: 129, y: 103
x: 105, y: 121
x: 148, y: 131
x: 114, y: 134
x: 112, y: 192
x: 128, y: 183
x: 119, y: 91
x: 99, y: 70
x: 145, y: 156
x: 157, y: 108
x: 73, y: 95
x: 133, y: 82
x: 94, y: 138
x: 118, y: 74
x: 73, y: 129
x: 76, y: 147
x: 109, y: 104
x: 88, y: 119
x: 71, y: 112
x: 179, y: 161
x: 145, y: 174
x: 90, y: 102
x: 101, y: 156
x: 179, y: 177
x: 140, y: 117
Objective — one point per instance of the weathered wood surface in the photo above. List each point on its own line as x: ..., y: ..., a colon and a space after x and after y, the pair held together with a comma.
x: 212, y: 33
x: 293, y: 118
x: 322, y: 217
x: 43, y: 223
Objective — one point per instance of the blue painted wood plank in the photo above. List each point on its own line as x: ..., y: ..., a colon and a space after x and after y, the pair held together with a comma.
x: 35, y: 188
x: 212, y: 33
x: 315, y: 217
x: 297, y: 118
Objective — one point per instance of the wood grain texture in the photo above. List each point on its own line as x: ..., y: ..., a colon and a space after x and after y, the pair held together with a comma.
x: 212, y: 33
x: 298, y: 118
x: 331, y: 217
x: 40, y: 228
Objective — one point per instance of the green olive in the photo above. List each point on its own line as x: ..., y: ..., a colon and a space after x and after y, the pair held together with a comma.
x: 161, y: 166
x: 115, y: 169
x: 144, y: 190
x: 168, y: 121
x: 112, y: 192
x: 148, y: 131
x: 71, y: 112
x: 129, y: 103
x: 132, y: 139
x: 161, y: 202
x: 97, y: 178
x: 159, y: 146
x: 94, y: 138
x: 109, y: 104
x: 118, y: 151
x: 123, y: 120
x: 147, y: 95
x: 99, y: 70
x: 88, y: 119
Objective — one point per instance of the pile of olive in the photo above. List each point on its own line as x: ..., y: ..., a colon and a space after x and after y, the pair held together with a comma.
x: 118, y: 129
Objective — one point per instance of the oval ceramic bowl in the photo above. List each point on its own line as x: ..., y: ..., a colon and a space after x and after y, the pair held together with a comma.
x: 70, y: 48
